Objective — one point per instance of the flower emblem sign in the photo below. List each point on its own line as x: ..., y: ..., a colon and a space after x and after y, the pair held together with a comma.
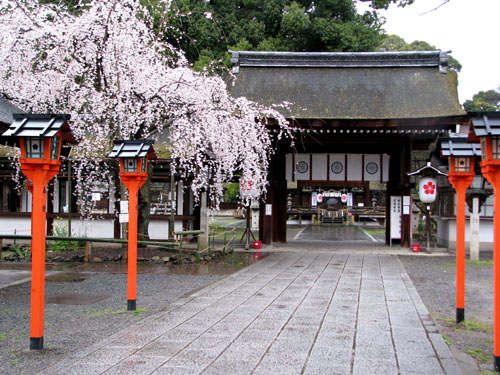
x: 429, y: 188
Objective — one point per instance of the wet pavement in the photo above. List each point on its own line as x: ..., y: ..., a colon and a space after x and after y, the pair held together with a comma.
x: 333, y: 232
x: 290, y: 313
x: 18, y: 272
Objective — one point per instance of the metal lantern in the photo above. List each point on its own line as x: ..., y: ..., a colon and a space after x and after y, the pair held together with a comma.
x: 33, y: 148
x: 460, y: 154
x: 40, y: 135
x: 40, y: 138
x: 460, y: 164
x: 134, y: 155
x: 486, y: 129
x: 130, y: 165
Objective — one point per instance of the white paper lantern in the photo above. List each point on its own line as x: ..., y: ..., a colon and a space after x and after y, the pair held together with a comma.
x: 343, y: 198
x: 427, y: 189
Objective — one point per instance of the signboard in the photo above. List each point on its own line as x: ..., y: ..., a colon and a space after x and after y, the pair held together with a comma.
x: 123, y: 218
x: 269, y: 209
x: 124, y: 207
x: 314, y: 199
x: 396, y: 205
x: 96, y: 196
x: 349, y: 199
x: 406, y: 205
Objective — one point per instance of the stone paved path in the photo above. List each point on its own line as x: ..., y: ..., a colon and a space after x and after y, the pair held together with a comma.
x: 290, y: 313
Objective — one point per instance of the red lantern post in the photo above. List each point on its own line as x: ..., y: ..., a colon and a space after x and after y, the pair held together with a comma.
x: 486, y: 129
x: 133, y: 156
x: 41, y: 137
x: 461, y: 164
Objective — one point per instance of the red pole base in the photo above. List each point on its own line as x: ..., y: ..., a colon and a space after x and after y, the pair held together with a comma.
x: 460, y: 315
x: 131, y: 304
x: 496, y: 363
x: 36, y: 343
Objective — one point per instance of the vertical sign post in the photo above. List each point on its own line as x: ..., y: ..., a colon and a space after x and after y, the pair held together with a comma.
x: 395, y: 218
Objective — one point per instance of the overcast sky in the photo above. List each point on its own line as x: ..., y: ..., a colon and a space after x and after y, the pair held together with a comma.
x: 470, y: 29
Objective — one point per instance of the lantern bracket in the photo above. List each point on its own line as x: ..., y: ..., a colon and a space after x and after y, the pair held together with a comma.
x: 428, y: 170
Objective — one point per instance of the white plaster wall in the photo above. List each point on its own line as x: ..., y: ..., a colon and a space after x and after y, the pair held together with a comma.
x: 158, y: 229
x: 447, y: 233
x: 88, y: 228
x: 17, y: 225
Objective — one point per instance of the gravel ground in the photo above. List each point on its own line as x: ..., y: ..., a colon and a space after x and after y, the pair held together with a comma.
x: 72, y: 327
x: 434, y: 278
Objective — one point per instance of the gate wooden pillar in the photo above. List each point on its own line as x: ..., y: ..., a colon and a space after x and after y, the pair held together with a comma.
x: 272, y: 223
x: 399, y: 184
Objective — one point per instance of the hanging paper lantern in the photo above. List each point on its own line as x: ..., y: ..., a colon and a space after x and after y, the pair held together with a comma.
x: 427, y: 189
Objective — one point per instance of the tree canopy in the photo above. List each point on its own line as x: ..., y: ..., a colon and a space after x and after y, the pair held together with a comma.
x: 105, y: 65
x: 396, y: 43
x: 205, y: 30
x: 484, y: 101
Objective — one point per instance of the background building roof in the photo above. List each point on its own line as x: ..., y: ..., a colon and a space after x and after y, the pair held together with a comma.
x: 6, y: 111
x: 351, y: 86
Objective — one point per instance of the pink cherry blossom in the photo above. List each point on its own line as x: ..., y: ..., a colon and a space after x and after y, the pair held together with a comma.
x: 107, y: 68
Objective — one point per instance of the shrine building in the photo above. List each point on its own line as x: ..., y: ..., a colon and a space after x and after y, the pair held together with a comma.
x: 362, y: 121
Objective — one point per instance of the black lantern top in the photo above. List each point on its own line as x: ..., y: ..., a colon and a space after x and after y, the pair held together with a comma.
x: 40, y: 135
x: 485, y: 128
x: 134, y: 154
x: 40, y: 125
x: 133, y: 149
x: 485, y: 124
x: 458, y: 147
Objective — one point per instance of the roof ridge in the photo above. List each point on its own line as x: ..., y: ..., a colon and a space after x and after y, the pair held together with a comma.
x: 339, y: 59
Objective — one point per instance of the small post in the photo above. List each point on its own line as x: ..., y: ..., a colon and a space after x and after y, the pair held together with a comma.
x: 88, y: 251
x: 198, y: 245
x: 180, y: 250
x: 70, y: 193
x: 1, y: 244
x: 428, y: 233
x: 180, y: 241
x: 474, y: 230
x: 171, y: 223
x: 224, y: 247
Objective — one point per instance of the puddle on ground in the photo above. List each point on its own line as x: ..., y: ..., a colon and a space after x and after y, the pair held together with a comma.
x: 76, y: 299
x: 223, y: 265
x: 66, y: 277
